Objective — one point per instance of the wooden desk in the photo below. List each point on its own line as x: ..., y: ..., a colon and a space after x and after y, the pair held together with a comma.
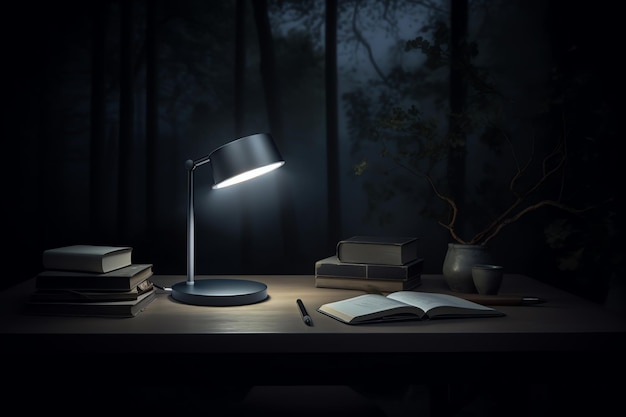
x: 271, y: 335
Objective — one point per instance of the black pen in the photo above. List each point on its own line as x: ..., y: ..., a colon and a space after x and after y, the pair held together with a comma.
x: 305, y: 316
x: 502, y: 300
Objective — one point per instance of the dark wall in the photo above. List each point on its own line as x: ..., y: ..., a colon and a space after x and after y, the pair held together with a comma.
x: 46, y: 136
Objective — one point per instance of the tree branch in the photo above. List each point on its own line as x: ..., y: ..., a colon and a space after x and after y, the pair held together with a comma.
x: 361, y: 39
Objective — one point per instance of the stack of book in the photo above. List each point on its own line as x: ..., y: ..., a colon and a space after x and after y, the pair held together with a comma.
x: 373, y: 264
x: 88, y: 280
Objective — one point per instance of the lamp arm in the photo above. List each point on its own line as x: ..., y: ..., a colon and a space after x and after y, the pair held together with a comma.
x: 190, y: 223
x: 191, y: 166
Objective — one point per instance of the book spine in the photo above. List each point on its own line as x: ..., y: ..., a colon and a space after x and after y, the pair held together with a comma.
x: 68, y: 261
x: 377, y: 250
x: 111, y: 284
x: 380, y: 272
x: 368, y: 285
x: 348, y: 270
x: 394, y: 272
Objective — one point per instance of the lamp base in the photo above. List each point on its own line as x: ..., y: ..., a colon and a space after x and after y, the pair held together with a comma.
x: 220, y: 292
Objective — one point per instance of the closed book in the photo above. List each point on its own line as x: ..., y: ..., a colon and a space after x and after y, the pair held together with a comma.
x: 383, y: 250
x: 128, y: 308
x: 122, y: 279
x: 89, y: 296
x: 332, y: 266
x: 368, y: 285
x: 87, y: 258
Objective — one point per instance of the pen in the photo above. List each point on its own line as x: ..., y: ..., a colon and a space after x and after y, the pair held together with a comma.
x: 305, y: 316
x: 503, y: 300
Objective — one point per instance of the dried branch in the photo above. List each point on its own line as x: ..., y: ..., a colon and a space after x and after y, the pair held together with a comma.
x: 549, y: 169
x: 453, y: 207
x: 528, y: 209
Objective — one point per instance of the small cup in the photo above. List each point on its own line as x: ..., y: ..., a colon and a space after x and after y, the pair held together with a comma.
x: 487, y: 278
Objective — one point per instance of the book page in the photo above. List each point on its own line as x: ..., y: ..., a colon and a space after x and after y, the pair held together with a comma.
x: 367, y: 307
x: 365, y: 304
x: 428, y: 301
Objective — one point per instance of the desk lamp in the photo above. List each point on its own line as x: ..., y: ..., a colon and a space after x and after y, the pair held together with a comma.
x: 235, y: 162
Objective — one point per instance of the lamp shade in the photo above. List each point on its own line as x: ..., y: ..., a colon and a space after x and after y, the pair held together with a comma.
x: 235, y: 162
x: 243, y: 159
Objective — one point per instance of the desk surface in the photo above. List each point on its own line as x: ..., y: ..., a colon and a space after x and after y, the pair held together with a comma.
x: 268, y: 343
x: 565, y: 323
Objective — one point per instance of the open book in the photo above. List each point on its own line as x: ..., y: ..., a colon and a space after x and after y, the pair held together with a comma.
x: 404, y: 305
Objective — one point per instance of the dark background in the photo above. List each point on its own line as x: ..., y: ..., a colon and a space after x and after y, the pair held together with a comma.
x: 105, y: 100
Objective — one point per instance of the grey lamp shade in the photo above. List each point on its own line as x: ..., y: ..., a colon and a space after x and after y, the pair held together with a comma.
x: 243, y: 159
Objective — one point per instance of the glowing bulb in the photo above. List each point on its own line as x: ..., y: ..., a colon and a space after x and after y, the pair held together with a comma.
x: 245, y: 176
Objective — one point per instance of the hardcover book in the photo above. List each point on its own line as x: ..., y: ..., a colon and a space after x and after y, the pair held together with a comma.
x: 87, y: 258
x: 128, y: 308
x: 383, y: 250
x: 333, y: 267
x: 122, y: 279
x: 368, y: 285
x: 89, y: 296
x: 404, y: 305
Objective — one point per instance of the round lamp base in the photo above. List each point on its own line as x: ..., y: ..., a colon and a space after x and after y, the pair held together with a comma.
x: 220, y: 292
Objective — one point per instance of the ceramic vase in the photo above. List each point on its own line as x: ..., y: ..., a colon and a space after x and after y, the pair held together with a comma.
x: 457, y: 265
